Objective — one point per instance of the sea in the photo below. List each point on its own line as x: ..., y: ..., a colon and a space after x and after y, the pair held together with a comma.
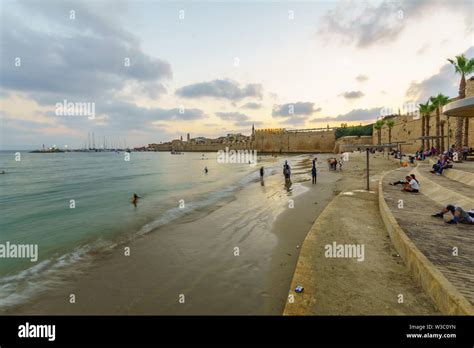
x: 75, y: 205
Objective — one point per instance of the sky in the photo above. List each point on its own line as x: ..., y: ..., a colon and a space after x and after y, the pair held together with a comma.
x: 157, y: 70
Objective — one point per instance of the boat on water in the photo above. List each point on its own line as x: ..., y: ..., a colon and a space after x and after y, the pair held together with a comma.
x: 176, y: 153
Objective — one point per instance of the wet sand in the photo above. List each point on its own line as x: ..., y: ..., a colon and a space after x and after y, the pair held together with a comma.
x: 236, y: 258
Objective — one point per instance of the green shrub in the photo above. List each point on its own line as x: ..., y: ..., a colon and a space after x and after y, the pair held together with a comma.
x: 354, y: 131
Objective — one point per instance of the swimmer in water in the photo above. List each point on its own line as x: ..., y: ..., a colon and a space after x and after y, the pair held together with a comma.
x: 205, y: 170
x: 135, y: 199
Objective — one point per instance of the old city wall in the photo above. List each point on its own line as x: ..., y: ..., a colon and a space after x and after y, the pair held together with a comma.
x: 409, y: 130
x: 344, y: 144
x: 296, y: 142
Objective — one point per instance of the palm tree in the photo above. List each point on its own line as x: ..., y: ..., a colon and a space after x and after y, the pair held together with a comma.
x: 462, y: 66
x: 378, y: 126
x: 443, y: 122
x: 438, y: 102
x: 390, y: 124
x: 424, y: 110
x: 466, y: 130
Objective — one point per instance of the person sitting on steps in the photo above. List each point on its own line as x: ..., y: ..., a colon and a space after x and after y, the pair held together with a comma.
x: 411, y: 185
x: 459, y: 215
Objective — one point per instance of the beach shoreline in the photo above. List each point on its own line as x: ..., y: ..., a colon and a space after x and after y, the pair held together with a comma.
x: 202, y: 264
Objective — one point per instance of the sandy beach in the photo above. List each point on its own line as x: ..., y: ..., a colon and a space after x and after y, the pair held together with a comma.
x: 236, y: 258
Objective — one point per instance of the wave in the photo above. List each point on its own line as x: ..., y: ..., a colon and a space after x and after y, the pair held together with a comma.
x: 49, y: 274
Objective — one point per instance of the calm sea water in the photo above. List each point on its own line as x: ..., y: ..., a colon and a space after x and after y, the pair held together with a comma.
x: 35, y: 195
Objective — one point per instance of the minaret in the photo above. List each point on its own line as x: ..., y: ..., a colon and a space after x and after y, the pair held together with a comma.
x: 253, y: 131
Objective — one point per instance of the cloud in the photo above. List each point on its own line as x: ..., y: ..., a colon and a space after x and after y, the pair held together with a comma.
x: 248, y: 123
x: 445, y: 81
x: 294, y: 121
x: 353, y: 95
x: 367, y: 23
x: 361, y: 78
x: 251, y: 105
x: 85, y: 57
x: 232, y: 116
x: 224, y: 89
x: 238, y: 119
x: 423, y: 49
x: 114, y: 115
x: 294, y: 109
x: 353, y: 115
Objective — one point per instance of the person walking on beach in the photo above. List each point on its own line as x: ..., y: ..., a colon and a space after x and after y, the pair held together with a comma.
x: 314, y: 172
x: 261, y: 173
x: 287, y: 171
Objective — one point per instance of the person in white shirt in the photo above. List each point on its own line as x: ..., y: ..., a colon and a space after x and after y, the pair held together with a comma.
x: 411, y: 184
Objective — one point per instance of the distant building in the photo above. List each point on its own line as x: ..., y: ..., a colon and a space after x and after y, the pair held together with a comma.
x: 199, y: 140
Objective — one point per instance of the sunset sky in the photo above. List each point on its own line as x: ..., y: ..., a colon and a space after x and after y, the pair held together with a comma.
x: 226, y: 65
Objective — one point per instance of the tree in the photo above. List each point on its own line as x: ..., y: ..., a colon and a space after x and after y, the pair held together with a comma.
x: 466, y: 131
x: 431, y: 108
x: 443, y: 122
x: 438, y: 102
x: 390, y: 124
x: 424, y: 110
x: 462, y: 66
x: 378, y: 126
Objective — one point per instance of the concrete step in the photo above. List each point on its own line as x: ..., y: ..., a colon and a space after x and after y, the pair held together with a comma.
x: 444, y: 190
x: 462, y: 172
x: 435, y: 240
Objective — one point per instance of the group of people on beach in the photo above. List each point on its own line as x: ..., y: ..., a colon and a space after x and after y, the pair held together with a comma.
x: 333, y: 162
x: 287, y: 171
x: 453, y: 153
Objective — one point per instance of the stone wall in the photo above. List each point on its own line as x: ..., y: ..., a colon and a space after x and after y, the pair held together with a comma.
x: 288, y: 142
x: 265, y: 142
x: 343, y: 143
x: 470, y: 87
x: 408, y: 129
